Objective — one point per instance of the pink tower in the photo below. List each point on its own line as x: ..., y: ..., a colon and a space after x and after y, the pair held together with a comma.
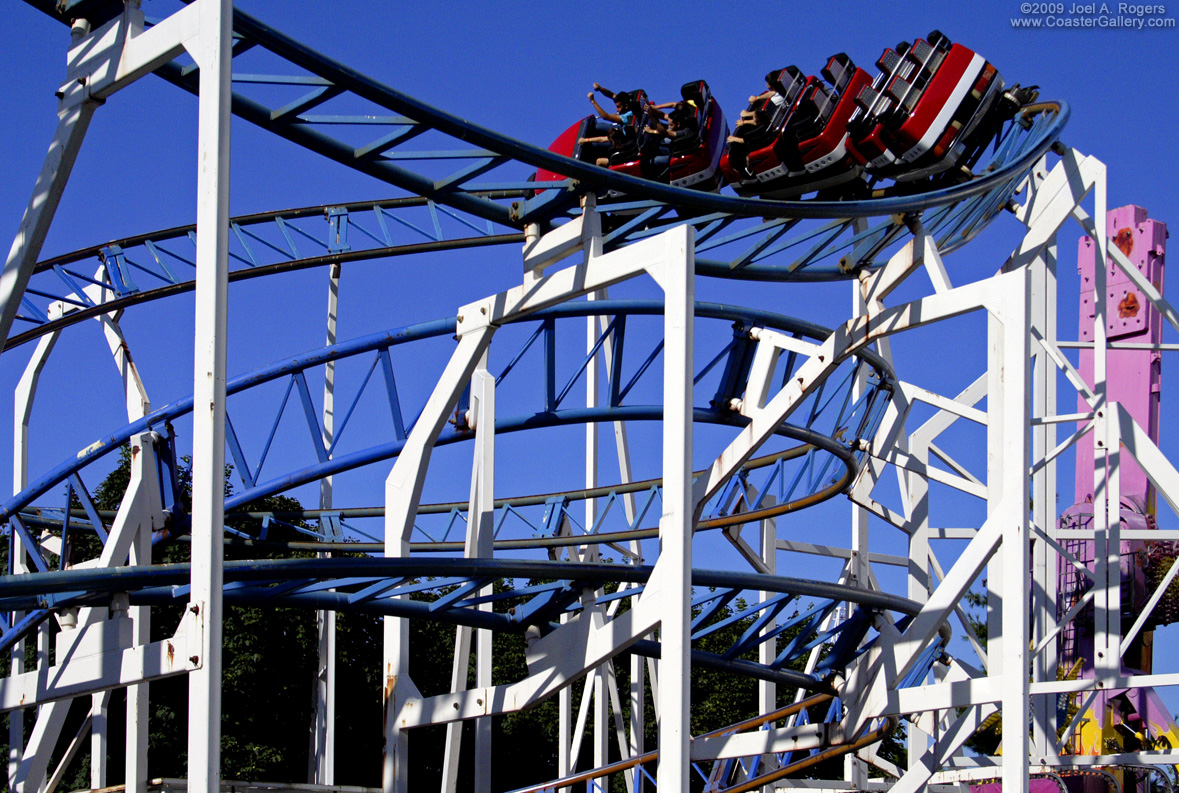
x: 1133, y: 378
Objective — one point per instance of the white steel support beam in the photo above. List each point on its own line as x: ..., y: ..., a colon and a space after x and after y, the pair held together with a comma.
x: 70, y: 753
x: 25, y: 393
x: 1052, y: 199
x: 323, y: 754
x: 1161, y: 471
x: 1106, y: 470
x: 950, y: 741
x: 138, y: 711
x: 480, y: 536
x: 98, y: 64
x: 920, y: 582
x: 638, y: 665
x: 1005, y: 297
x: 767, y: 692
x: 454, y: 731
x: 98, y: 750
x: 403, y: 491
x: 34, y: 765
x: 1044, y: 498
x: 73, y: 121
x: 97, y: 654
x: 564, y: 731
x: 638, y: 669
x: 139, y: 540
x: 676, y: 524
x: 1007, y: 473
x: 212, y: 52
x: 124, y: 49
x: 23, y: 397
x: 138, y: 406
x: 480, y: 525
x: 591, y: 243
x: 765, y: 742
x: 481, y: 521
x: 668, y: 259
x: 860, y: 563
x: 476, y: 324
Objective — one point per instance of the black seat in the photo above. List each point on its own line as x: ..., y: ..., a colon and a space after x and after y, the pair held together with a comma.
x: 838, y: 71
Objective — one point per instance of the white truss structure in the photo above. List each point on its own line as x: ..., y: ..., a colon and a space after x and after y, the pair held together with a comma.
x: 100, y: 649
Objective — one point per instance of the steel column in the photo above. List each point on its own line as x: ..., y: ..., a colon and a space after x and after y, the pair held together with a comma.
x: 1009, y: 416
x: 480, y: 535
x: 676, y: 522
x: 212, y: 52
x: 1044, y: 500
x: 73, y: 121
x: 25, y: 393
x: 767, y: 692
x: 323, y: 755
x: 591, y: 242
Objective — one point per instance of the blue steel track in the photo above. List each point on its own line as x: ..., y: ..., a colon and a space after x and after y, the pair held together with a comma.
x: 490, y: 201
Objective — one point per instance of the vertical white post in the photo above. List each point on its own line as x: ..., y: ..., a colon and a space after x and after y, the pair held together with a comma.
x: 767, y: 692
x: 592, y: 246
x: 1044, y: 570
x: 32, y: 774
x: 638, y: 685
x: 1008, y: 492
x: 919, y: 582
x: 213, y: 55
x: 480, y: 537
x: 98, y: 723
x: 858, y: 569
x: 1108, y: 546
x: 395, y: 767
x: 454, y: 730
x: 564, y: 733
x: 1106, y: 496
x: 638, y: 669
x: 324, y: 755
x: 676, y: 522
x: 135, y: 757
x: 135, y: 762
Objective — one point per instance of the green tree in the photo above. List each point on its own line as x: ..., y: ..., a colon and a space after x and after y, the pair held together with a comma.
x: 269, y: 658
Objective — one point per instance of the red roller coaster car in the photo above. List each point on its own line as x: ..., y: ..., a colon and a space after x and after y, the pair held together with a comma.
x: 935, y: 105
x: 802, y: 143
x: 692, y: 161
x: 925, y: 119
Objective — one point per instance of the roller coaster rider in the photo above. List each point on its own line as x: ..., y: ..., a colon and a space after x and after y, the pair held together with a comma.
x: 756, y: 119
x: 624, y: 103
x: 775, y: 92
x: 620, y: 129
x: 681, y: 131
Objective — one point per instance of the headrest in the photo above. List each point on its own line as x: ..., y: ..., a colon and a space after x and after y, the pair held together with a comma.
x: 695, y: 91
x: 839, y: 70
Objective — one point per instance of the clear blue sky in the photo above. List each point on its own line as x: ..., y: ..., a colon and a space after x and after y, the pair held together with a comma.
x: 522, y: 69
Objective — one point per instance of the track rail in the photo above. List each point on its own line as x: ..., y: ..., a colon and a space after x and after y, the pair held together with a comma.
x: 538, y: 593
x: 414, y: 149
x: 833, y: 430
